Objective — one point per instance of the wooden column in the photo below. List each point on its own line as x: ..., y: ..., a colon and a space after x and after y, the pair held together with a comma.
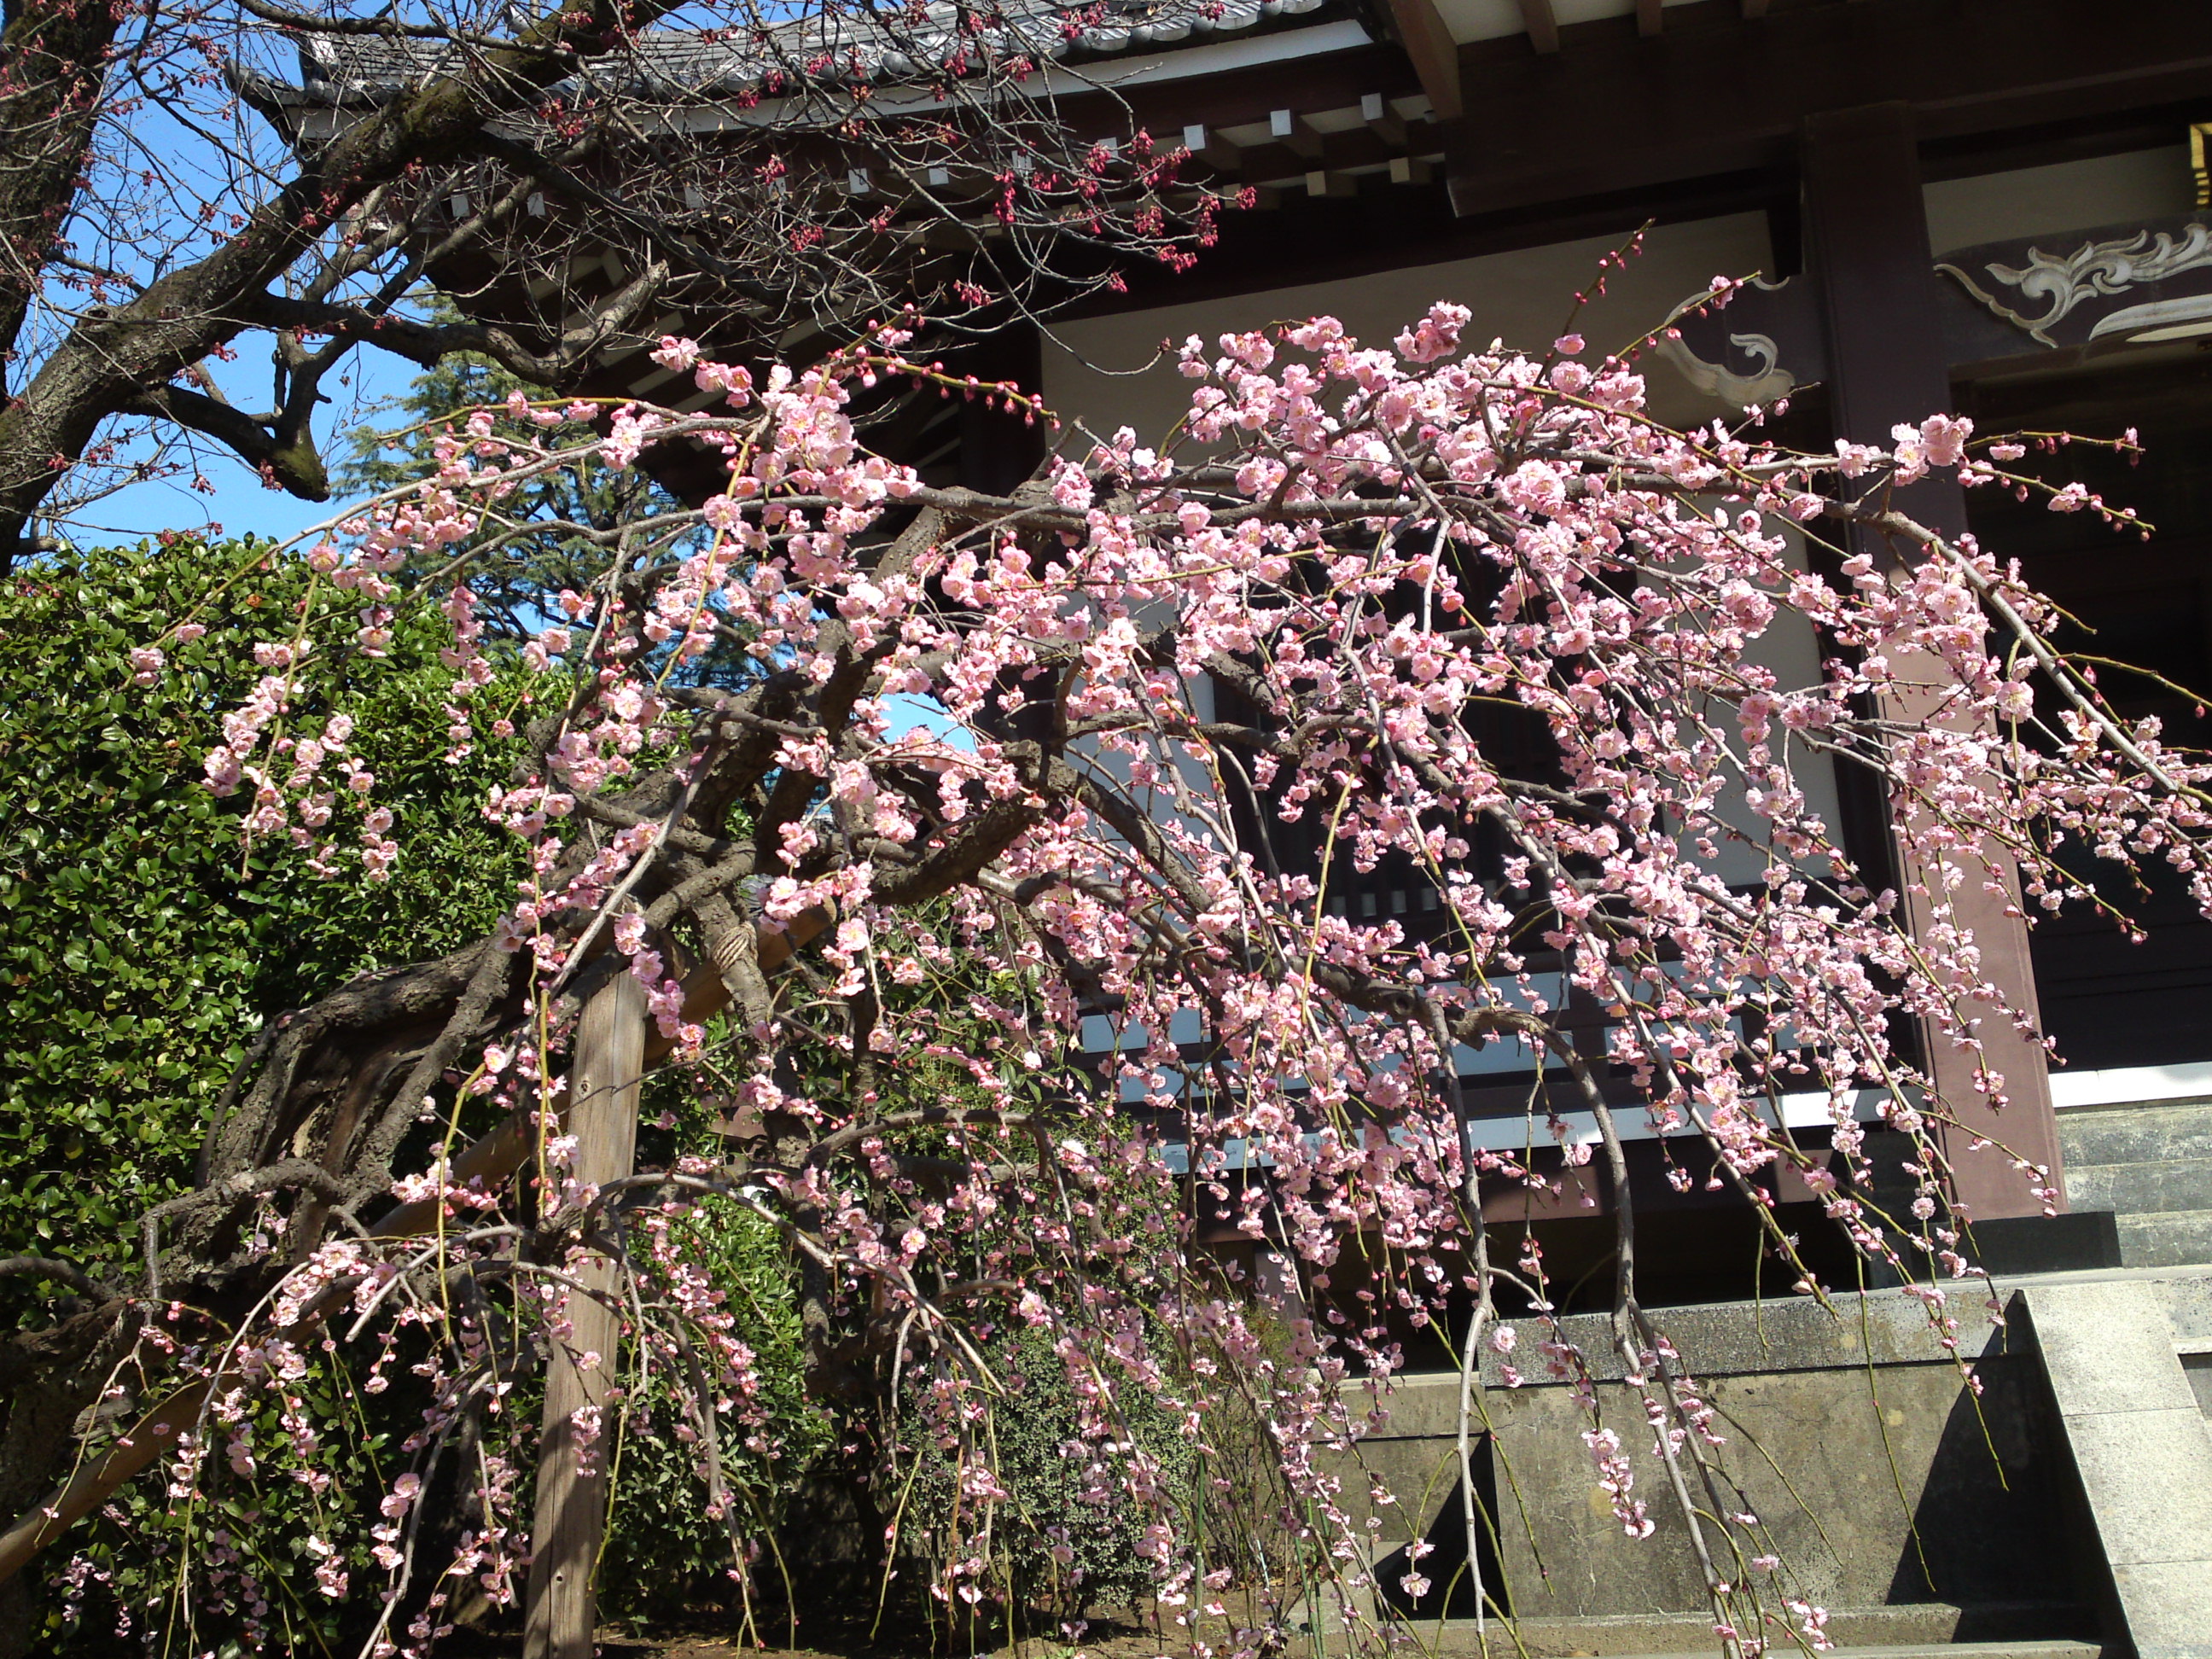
x: 999, y: 451
x: 572, y: 1506
x: 1866, y: 233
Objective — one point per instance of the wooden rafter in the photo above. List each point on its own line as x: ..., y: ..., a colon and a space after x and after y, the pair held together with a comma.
x: 1434, y: 53
x: 1615, y: 123
x: 1375, y: 110
x: 1543, y: 25
x: 1292, y: 129
x: 1650, y: 16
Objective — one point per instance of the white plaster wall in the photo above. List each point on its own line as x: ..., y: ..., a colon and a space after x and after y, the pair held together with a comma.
x: 1489, y: 20
x: 1523, y: 297
x: 2110, y: 190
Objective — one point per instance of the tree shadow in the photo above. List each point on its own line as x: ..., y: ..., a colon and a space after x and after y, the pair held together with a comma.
x: 1998, y: 1529
x: 1452, y: 1591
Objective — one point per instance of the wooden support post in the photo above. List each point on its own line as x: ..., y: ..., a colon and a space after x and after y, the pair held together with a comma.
x: 999, y: 449
x: 1867, y: 243
x: 571, y: 1504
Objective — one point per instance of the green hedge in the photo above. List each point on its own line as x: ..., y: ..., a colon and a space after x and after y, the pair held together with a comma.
x: 140, y: 950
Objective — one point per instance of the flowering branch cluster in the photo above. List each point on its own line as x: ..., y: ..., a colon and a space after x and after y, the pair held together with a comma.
x: 1179, y: 702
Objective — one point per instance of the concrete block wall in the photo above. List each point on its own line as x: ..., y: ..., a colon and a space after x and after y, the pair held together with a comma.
x: 2068, y: 1507
x: 2151, y: 1165
x: 1881, y: 1479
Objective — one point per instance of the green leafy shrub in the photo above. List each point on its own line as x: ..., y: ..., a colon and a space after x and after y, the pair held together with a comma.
x: 140, y: 950
x: 664, y: 1552
x: 1065, y: 1536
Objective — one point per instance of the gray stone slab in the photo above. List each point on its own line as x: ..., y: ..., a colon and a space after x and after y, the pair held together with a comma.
x: 1735, y: 1338
x: 2148, y: 1477
x: 2188, y: 1300
x: 2178, y: 1238
x: 2169, y: 1184
x: 1906, y: 1630
x: 2169, y: 1608
x: 2141, y: 1447
x: 2135, y: 1134
x: 2108, y: 1346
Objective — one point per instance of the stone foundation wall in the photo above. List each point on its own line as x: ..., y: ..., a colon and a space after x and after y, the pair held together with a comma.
x: 1851, y: 1436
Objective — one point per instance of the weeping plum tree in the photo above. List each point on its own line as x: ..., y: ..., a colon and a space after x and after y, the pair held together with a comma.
x: 1153, y: 672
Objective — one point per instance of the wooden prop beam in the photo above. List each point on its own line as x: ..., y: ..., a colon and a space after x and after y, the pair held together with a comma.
x: 571, y: 1514
x: 1542, y: 24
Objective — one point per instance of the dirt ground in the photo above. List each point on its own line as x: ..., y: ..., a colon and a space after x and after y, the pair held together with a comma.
x: 1105, y: 1640
x: 714, y: 1647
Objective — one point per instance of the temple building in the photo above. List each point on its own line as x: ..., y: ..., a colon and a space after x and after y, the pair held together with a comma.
x: 1994, y: 209
x: 1997, y: 208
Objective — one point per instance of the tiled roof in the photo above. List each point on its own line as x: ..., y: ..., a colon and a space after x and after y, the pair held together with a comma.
x: 683, y: 64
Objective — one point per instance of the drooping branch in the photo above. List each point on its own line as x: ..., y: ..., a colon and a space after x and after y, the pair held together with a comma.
x: 948, y: 1151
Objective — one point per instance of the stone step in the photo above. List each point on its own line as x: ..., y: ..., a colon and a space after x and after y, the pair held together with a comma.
x: 1906, y: 1630
x: 2058, y: 1648
x: 2148, y: 1133
x: 2140, y: 1447
x: 2169, y: 1185
x: 2165, y: 1238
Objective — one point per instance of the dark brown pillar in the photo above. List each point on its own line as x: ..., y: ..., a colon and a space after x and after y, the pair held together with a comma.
x: 1000, y: 448
x: 1866, y: 233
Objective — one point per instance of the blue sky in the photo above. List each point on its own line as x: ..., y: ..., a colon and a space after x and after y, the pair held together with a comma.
x: 240, y: 503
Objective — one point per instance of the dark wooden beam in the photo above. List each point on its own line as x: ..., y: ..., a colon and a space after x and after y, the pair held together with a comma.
x: 1543, y: 26
x: 1247, y: 96
x: 1375, y: 110
x: 1651, y: 17
x: 1211, y: 148
x: 1392, y: 227
x: 1293, y: 131
x: 1434, y: 53
x: 1362, y: 147
x: 1614, y: 112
